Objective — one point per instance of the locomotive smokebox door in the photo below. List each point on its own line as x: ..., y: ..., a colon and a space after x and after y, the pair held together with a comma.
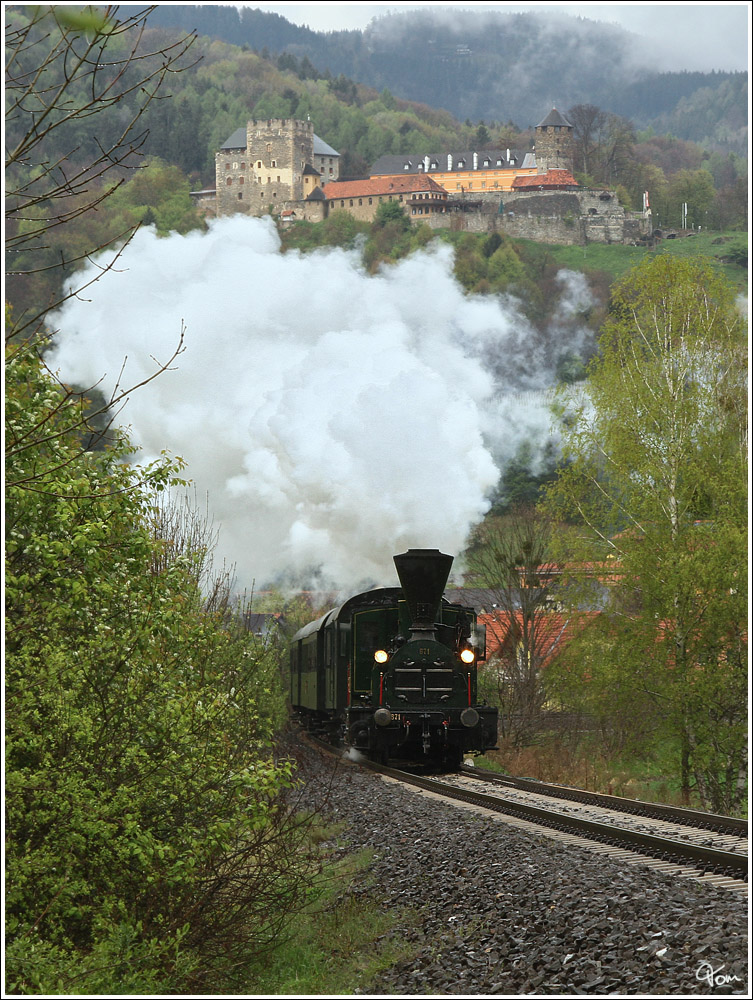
x: 423, y: 575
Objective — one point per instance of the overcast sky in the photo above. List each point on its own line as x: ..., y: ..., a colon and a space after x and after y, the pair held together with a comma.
x: 700, y: 36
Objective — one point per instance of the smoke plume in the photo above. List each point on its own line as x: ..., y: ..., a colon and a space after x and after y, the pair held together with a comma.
x: 332, y: 417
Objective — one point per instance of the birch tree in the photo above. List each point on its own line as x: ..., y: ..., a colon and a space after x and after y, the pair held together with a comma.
x: 655, y: 471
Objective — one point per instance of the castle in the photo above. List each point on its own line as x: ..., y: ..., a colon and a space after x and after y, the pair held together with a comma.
x: 279, y: 166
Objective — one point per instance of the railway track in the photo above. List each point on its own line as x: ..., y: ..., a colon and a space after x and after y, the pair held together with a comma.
x: 682, y: 842
x: 728, y: 825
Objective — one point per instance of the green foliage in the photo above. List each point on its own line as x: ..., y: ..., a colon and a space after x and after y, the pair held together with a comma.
x: 657, y: 475
x: 148, y: 848
x: 391, y: 211
x: 611, y: 262
x: 340, y: 229
x: 524, y: 478
x: 340, y: 942
x: 160, y: 190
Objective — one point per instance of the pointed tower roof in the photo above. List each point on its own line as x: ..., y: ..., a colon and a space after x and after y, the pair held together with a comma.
x: 555, y: 118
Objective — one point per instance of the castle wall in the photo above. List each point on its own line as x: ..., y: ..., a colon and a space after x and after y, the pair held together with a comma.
x: 269, y: 171
x: 565, y: 217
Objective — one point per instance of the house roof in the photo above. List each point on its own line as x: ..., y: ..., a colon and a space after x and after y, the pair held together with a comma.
x: 235, y: 141
x: 552, y: 180
x: 555, y: 118
x: 554, y: 631
x: 414, y: 163
x: 322, y: 149
x: 238, y: 141
x: 382, y: 185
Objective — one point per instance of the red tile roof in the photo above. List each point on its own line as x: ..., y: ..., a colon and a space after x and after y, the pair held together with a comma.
x: 382, y: 185
x: 552, y: 179
x: 554, y: 631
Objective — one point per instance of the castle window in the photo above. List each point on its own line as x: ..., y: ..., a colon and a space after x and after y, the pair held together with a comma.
x: 240, y: 195
x: 241, y: 180
x: 227, y: 166
x: 274, y: 163
x: 269, y: 146
x: 258, y: 164
x: 370, y: 201
x: 278, y: 178
x: 360, y: 201
x: 243, y: 166
x: 229, y: 181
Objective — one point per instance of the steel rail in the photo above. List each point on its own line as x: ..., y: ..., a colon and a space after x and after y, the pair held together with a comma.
x: 707, y: 857
x: 688, y: 817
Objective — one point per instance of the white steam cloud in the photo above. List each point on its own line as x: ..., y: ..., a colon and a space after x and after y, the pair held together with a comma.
x: 333, y: 418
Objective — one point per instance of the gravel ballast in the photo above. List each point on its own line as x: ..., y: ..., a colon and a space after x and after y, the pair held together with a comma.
x: 491, y: 909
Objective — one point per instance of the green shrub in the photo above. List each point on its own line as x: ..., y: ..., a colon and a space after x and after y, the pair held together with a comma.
x: 149, y: 848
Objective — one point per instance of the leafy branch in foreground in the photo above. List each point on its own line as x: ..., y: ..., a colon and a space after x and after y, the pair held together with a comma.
x: 150, y: 846
x: 78, y: 84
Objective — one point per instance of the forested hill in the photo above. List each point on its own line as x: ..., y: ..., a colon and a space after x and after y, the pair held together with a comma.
x: 497, y: 67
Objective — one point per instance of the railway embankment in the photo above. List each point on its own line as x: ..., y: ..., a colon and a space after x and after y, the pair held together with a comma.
x: 490, y: 909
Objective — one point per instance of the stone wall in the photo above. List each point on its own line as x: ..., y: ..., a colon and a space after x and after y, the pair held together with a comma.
x: 268, y: 172
x: 565, y: 217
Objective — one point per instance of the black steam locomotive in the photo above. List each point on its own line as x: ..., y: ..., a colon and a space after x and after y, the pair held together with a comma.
x: 393, y: 671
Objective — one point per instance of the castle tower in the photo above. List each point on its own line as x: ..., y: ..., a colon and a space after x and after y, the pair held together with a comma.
x: 554, y: 143
x: 262, y: 166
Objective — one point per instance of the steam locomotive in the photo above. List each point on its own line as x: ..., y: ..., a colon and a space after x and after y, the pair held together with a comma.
x: 393, y: 671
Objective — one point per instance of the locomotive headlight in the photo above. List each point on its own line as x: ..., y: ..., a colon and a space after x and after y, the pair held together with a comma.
x: 381, y: 656
x: 467, y: 656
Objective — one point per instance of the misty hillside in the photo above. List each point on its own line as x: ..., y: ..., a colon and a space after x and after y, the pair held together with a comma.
x: 496, y: 67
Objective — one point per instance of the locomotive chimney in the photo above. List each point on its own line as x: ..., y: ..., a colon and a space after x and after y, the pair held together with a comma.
x: 423, y: 575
